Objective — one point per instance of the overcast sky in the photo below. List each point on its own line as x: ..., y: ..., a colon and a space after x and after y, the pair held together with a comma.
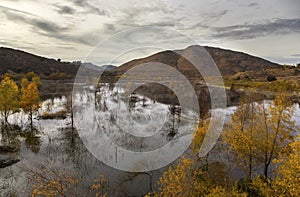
x: 71, y: 29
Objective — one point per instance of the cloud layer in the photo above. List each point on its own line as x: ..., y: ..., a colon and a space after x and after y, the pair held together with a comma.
x: 72, y: 28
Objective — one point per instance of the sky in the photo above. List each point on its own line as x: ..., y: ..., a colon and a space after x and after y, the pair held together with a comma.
x: 71, y: 29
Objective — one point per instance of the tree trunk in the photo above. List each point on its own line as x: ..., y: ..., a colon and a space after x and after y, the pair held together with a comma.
x: 266, y: 172
x: 31, y: 125
x: 5, y: 119
x: 250, y: 167
x: 72, y: 115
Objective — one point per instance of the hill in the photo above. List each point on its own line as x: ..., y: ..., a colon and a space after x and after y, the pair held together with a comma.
x: 20, y: 62
x: 234, y: 66
x: 92, y: 66
x: 230, y: 63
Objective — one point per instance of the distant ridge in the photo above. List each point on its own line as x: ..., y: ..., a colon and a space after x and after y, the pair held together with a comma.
x: 96, y: 67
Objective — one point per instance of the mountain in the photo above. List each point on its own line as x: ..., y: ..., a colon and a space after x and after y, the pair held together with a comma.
x: 91, y: 66
x: 229, y: 62
x: 58, y: 76
x: 20, y: 62
x: 232, y: 65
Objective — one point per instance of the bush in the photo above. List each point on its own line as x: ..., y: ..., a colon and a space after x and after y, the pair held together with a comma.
x: 57, y: 75
x: 271, y: 78
x: 58, y: 115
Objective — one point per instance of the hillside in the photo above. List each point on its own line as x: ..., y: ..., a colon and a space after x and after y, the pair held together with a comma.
x: 234, y: 66
x: 229, y: 62
x: 241, y: 72
x: 20, y: 62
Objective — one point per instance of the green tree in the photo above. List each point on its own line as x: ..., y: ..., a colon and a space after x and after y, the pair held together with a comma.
x: 8, y: 97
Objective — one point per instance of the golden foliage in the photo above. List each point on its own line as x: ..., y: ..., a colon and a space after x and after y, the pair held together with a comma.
x: 241, y: 134
x: 199, y: 135
x: 99, y: 188
x: 30, y: 95
x: 178, y: 180
x: 8, y: 96
x: 187, y: 177
x: 54, y: 181
x: 258, y: 133
x: 287, y: 180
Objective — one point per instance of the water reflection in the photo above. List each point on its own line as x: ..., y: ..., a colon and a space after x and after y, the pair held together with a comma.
x: 33, y: 142
x: 57, y: 147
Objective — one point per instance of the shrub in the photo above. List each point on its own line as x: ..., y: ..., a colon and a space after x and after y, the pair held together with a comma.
x: 271, y: 78
x: 57, y: 115
x: 58, y: 75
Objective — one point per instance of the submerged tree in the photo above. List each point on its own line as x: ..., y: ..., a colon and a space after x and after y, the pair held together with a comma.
x: 8, y: 97
x: 58, y: 181
x: 30, y: 97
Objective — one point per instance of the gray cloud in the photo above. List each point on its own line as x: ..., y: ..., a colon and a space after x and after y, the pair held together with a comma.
x: 296, y: 55
x: 15, y: 10
x: 164, y: 23
x: 159, y: 13
x: 208, y: 19
x: 36, y: 23
x: 89, y: 38
x: 48, y: 28
x: 88, y: 7
x: 65, y: 10
x: 249, y: 31
x: 252, y: 4
x: 109, y: 28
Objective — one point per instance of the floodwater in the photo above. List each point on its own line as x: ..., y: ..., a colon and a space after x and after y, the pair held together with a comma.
x: 59, y: 148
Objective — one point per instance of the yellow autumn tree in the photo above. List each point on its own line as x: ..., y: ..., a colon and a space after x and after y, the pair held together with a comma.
x: 190, y: 178
x: 178, y: 180
x: 241, y: 135
x: 30, y: 98
x: 276, y: 130
x: 37, y: 81
x: 287, y: 182
x: 257, y: 132
x: 55, y: 181
x: 186, y: 179
x: 199, y: 136
x: 287, y: 179
x: 8, y: 97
